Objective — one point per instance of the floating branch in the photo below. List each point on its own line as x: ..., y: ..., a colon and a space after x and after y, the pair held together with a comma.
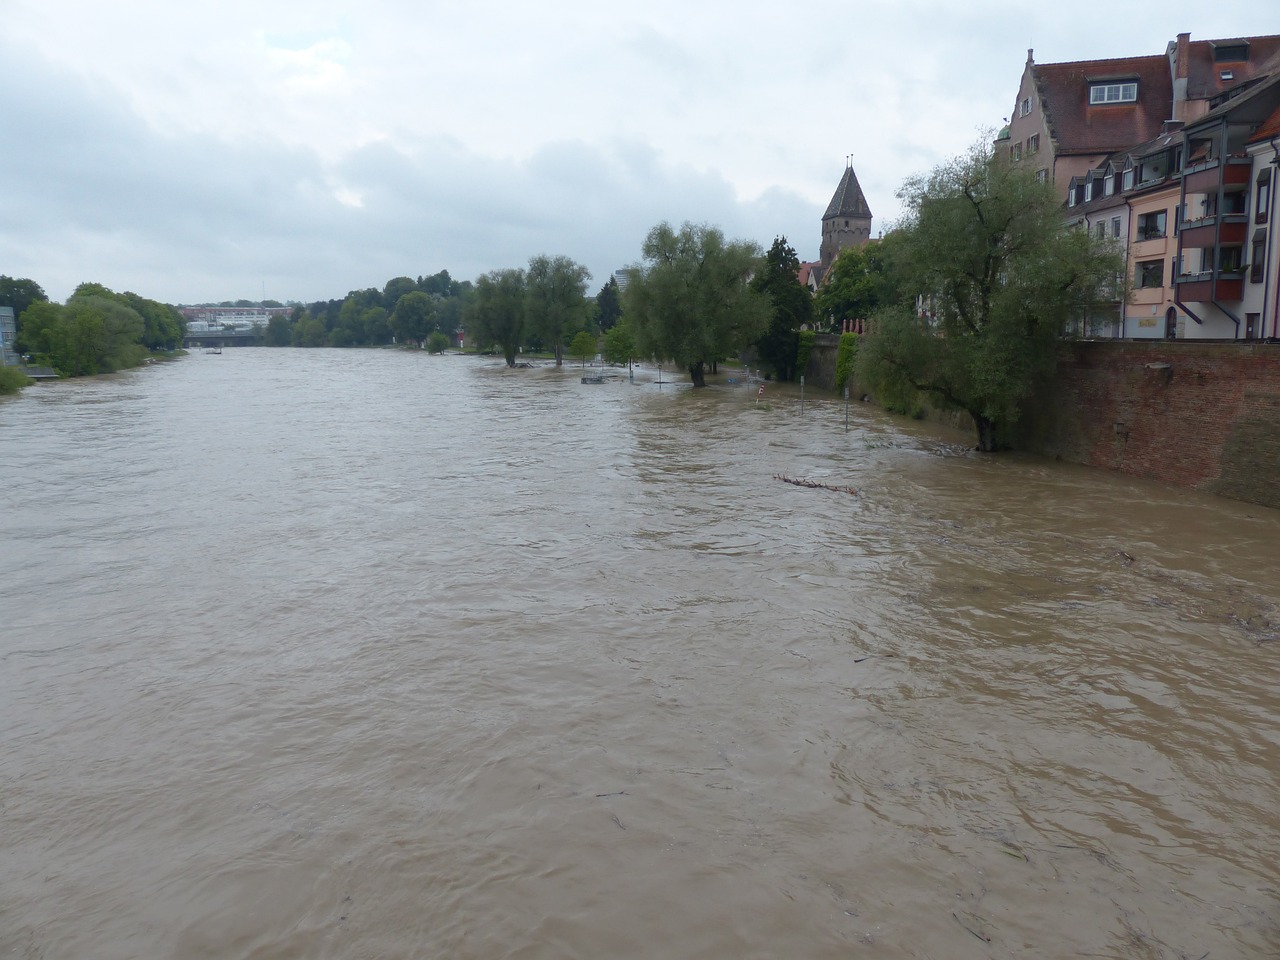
x: 813, y: 484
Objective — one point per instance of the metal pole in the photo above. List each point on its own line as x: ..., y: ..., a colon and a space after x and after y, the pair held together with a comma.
x: 846, y: 409
x: 802, y: 393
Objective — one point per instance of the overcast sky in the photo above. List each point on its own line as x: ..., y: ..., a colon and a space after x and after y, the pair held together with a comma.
x: 194, y: 151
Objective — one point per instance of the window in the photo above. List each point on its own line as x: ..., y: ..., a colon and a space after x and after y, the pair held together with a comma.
x: 1016, y: 151
x: 1088, y: 191
x: 1033, y: 144
x: 1229, y: 259
x: 1126, y: 92
x: 1128, y: 178
x: 1263, y: 202
x: 1071, y: 194
x: 1258, y: 257
x: 1025, y: 107
x: 1150, y: 274
x: 1115, y: 227
x: 1151, y: 226
x: 1109, y: 185
x: 1100, y: 229
x: 1230, y: 52
x: 1042, y: 175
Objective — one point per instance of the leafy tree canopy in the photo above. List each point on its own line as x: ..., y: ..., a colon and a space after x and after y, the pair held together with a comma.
x: 556, y: 300
x: 608, y: 305
x: 779, y: 280
x: 20, y: 294
x: 1000, y: 281
x: 496, y: 312
x: 860, y: 282
x: 690, y: 300
x: 583, y: 345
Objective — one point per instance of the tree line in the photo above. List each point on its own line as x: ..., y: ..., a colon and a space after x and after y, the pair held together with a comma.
x: 963, y: 303
x: 96, y: 331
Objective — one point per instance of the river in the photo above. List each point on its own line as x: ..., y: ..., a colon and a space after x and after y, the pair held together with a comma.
x: 379, y: 654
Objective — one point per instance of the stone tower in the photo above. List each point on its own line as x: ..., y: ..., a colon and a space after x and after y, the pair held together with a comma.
x: 847, y: 221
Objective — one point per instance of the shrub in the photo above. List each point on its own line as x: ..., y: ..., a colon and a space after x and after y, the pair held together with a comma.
x: 846, y: 353
x: 12, y: 379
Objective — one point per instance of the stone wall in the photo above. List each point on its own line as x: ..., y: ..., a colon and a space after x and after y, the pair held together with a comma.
x: 1181, y: 412
x: 1184, y: 413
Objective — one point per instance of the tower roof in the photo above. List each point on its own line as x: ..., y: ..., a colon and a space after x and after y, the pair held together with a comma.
x: 848, y: 200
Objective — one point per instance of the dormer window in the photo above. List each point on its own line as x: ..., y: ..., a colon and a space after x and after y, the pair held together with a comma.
x: 1226, y: 75
x: 1230, y: 52
x: 1122, y: 92
x: 1024, y: 107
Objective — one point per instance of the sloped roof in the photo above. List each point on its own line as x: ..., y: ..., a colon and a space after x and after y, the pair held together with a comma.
x: 848, y: 200
x: 1270, y: 128
x: 1077, y: 127
x: 1253, y: 105
x: 1204, y: 74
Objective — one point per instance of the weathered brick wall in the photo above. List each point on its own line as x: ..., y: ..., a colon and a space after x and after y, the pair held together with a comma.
x: 821, y: 370
x: 1190, y: 414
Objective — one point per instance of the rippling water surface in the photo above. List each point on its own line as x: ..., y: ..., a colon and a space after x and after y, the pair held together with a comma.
x: 375, y: 654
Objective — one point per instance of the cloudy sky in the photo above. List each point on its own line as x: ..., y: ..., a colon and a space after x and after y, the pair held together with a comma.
x: 201, y: 151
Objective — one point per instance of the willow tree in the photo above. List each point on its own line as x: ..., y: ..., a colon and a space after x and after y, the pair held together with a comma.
x: 691, y: 300
x: 998, y: 282
x: 556, y: 305
x: 496, y: 312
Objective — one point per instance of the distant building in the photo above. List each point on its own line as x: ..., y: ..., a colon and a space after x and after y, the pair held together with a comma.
x: 846, y: 223
x: 8, y: 338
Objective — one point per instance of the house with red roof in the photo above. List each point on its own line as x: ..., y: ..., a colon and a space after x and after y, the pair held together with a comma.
x: 1168, y: 155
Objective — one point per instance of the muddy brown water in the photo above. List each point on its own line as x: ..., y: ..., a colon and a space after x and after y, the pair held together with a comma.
x: 374, y: 654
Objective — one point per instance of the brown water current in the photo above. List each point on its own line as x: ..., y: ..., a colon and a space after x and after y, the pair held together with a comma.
x: 345, y: 654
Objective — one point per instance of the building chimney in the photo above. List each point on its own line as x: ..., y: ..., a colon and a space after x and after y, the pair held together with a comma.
x: 1030, y: 58
x: 1181, y: 71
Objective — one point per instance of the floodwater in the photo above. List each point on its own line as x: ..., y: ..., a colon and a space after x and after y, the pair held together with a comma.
x: 372, y: 654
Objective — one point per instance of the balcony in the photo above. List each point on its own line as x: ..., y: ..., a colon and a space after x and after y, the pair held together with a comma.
x: 1205, y: 232
x: 1205, y: 287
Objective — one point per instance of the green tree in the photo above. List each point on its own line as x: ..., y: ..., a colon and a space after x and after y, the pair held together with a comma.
x: 691, y: 301
x: 619, y: 345
x: 495, y: 314
x: 556, y: 300
x: 608, y: 305
x: 583, y: 346
x: 310, y: 331
x: 20, y: 294
x: 162, y: 325
x: 413, y: 318
x: 779, y: 280
x: 278, y: 332
x: 90, y: 334
x: 1000, y: 281
x: 860, y: 282
x: 396, y: 288
x: 437, y: 342
x: 376, y: 323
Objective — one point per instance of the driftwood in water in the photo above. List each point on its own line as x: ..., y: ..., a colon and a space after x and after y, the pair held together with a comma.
x: 813, y: 484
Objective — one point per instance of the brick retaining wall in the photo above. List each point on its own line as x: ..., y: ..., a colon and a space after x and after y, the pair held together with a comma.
x: 1202, y: 415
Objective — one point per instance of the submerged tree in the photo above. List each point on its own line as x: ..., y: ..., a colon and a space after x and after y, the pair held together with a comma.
x: 999, y: 281
x: 555, y: 300
x: 495, y: 314
x: 691, y: 300
x: 779, y: 280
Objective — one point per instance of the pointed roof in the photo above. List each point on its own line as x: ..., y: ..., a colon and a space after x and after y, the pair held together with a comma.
x: 848, y: 200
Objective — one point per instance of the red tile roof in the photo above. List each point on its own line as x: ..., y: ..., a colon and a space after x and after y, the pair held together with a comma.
x: 1080, y: 128
x: 1204, y: 75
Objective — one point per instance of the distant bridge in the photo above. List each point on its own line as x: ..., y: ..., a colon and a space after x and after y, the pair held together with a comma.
x: 222, y: 338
